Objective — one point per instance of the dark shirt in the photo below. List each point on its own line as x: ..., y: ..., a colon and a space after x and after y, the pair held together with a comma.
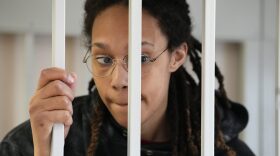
x: 113, y: 139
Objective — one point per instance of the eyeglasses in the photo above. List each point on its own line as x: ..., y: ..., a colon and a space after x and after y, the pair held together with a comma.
x: 104, y: 65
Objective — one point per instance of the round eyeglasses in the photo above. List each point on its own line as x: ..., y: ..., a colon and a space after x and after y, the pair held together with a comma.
x: 104, y: 65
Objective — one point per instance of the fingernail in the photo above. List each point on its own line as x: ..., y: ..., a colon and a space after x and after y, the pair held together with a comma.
x: 74, y: 75
x: 70, y: 78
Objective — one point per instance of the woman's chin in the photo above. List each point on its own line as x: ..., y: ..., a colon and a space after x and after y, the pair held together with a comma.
x: 122, y: 121
x: 120, y: 113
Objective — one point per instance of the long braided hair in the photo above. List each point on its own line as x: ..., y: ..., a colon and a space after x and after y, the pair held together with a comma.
x: 184, y: 96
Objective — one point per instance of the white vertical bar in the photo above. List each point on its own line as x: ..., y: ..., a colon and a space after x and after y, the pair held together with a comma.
x: 58, y: 60
x: 134, y: 81
x: 278, y: 80
x: 208, y: 79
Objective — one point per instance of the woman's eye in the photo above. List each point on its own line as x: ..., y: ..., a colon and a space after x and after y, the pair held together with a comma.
x: 145, y: 59
x: 104, y: 60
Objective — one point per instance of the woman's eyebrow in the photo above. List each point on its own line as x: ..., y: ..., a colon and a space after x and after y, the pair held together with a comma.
x: 100, y: 45
x: 147, y: 43
x: 105, y: 46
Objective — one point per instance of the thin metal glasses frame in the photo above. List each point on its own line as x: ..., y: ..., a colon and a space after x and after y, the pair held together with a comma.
x: 115, y: 61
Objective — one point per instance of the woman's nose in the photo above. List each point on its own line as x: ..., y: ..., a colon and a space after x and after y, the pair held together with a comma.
x: 119, y: 78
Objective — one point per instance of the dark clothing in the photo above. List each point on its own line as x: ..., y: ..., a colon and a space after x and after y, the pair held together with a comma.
x: 112, y: 139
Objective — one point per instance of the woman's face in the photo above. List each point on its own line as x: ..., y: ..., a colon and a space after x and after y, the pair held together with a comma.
x: 110, y: 38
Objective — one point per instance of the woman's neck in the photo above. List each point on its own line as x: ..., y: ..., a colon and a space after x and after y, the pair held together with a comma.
x: 156, y: 129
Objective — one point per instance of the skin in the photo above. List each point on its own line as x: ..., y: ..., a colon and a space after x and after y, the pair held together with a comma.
x: 52, y: 100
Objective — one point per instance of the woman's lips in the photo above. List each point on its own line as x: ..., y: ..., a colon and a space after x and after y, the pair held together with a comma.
x: 122, y: 103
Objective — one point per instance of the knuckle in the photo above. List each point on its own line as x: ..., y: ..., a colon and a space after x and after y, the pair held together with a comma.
x: 32, y: 107
x: 64, y: 100
x: 64, y: 76
x: 66, y: 104
x: 69, y: 121
x: 68, y: 107
x: 44, y: 73
x: 66, y: 115
x: 39, y: 118
x: 72, y: 97
x: 58, y: 85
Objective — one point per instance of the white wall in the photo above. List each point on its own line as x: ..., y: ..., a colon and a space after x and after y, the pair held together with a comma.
x: 19, y: 16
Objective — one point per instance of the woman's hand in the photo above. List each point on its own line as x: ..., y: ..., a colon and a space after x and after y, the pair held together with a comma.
x: 51, y: 103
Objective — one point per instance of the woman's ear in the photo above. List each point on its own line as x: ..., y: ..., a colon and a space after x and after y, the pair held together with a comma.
x: 178, y: 57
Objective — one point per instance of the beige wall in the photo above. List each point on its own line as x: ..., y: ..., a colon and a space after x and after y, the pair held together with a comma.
x: 229, y: 60
x: 6, y: 89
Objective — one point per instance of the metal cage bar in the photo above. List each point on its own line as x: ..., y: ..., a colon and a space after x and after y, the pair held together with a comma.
x: 278, y: 80
x: 208, y: 79
x: 134, y: 78
x: 58, y: 60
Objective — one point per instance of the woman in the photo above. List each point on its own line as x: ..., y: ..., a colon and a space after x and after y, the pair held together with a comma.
x: 170, y: 97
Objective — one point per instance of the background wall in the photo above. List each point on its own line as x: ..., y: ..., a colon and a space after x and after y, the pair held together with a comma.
x: 249, y: 27
x: 245, y: 52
